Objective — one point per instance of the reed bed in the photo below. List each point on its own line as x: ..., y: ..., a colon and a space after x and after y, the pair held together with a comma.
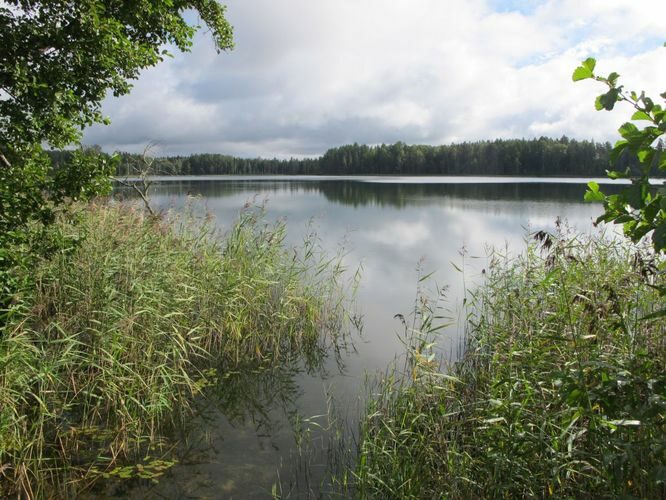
x: 561, y: 390
x: 134, y: 317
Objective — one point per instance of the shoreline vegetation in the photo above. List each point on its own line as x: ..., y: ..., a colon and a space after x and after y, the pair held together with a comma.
x: 131, y: 319
x: 543, y: 157
x: 560, y: 391
x: 116, y: 322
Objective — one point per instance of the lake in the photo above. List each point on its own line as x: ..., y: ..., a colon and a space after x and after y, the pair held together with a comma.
x: 243, y: 444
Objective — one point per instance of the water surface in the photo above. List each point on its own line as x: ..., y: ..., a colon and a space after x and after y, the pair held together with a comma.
x: 390, y: 227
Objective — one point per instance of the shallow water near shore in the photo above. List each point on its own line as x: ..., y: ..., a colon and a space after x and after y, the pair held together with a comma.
x: 242, y: 444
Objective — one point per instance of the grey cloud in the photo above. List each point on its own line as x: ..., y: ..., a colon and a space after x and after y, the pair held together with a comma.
x: 306, y: 76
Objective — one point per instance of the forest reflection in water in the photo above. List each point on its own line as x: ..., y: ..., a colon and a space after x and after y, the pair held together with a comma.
x: 363, y: 192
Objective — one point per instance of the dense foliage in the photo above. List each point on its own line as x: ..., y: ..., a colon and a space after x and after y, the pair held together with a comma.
x: 560, y: 393
x: 58, y: 61
x: 216, y: 164
x: 641, y: 209
x: 535, y: 157
x: 122, y: 331
x: 32, y: 195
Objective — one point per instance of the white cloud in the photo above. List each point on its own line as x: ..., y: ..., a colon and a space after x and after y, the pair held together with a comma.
x: 307, y: 75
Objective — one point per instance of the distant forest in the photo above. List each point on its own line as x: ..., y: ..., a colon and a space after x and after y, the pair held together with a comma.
x: 517, y: 157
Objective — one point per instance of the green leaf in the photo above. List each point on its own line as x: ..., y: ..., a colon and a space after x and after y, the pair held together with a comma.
x: 640, y: 230
x: 585, y: 70
x: 645, y: 156
x: 628, y: 130
x: 641, y: 115
x: 652, y: 209
x: 597, y: 103
x: 575, y: 397
x: 609, y: 99
x: 590, y: 63
x: 605, y: 217
x: 617, y: 150
x: 623, y: 219
x: 614, y: 174
x: 659, y: 237
x: 594, y: 196
x: 581, y: 73
x: 634, y: 196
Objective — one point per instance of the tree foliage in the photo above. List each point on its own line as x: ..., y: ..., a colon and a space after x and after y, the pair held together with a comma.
x: 528, y: 157
x: 58, y: 60
x: 641, y: 207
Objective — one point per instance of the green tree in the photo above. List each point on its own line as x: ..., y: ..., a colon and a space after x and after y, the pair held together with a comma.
x: 641, y: 207
x: 58, y: 60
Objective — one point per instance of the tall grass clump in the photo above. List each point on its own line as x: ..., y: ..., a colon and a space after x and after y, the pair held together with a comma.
x: 561, y: 390
x: 104, y: 354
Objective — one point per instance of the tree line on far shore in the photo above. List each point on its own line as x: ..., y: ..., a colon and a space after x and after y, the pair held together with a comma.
x: 518, y: 157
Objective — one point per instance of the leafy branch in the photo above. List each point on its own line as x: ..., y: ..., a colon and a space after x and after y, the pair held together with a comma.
x: 641, y: 207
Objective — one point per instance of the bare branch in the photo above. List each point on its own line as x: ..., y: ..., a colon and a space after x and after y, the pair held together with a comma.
x: 143, y: 193
x: 5, y: 161
x: 142, y: 186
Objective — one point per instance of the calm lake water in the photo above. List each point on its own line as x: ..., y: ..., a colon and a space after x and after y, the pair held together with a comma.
x: 243, y: 444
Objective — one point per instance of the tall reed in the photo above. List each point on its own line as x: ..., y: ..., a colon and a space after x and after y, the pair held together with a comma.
x: 561, y: 390
x: 125, y: 327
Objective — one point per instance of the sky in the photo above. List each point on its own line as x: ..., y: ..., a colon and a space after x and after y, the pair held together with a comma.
x: 306, y: 76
